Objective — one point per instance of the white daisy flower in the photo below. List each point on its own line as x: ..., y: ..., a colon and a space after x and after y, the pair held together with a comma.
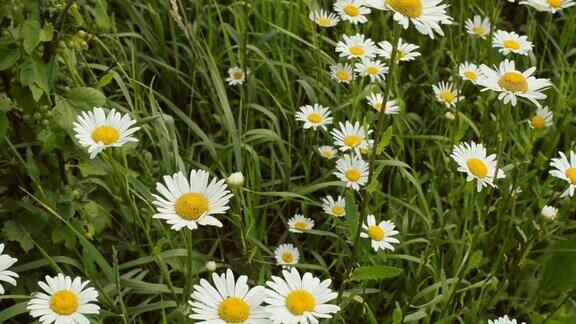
x: 299, y: 224
x: 6, y: 275
x: 446, y: 94
x: 350, y: 136
x: 376, y: 100
x: 286, y: 255
x: 450, y: 116
x: 404, y: 52
x: 426, y: 15
x: 539, y: 5
x: 503, y: 320
x: 236, y: 76
x: 374, y: 69
x: 543, y: 118
x: 357, y: 46
x: 472, y: 160
x: 353, y: 11
x: 98, y: 131
x: 342, y: 73
x: 191, y: 202
x: 478, y: 26
x: 63, y: 300
x: 511, y: 42
x: 336, y: 208
x: 512, y: 83
x: 314, y: 116
x: 381, y: 233
x: 552, y: 6
x: 549, y: 212
x: 295, y: 299
x: 353, y: 170
x: 228, y: 301
x: 565, y: 170
x: 324, y: 18
x: 469, y: 71
x: 327, y: 151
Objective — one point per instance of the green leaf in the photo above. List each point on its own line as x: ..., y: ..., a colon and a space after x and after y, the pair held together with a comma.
x: 13, y: 311
x: 64, y: 114
x: 397, y: 314
x: 559, y: 270
x: 373, y: 185
x: 30, y: 31
x: 386, y: 137
x: 475, y: 260
x: 15, y: 232
x: 375, y: 273
x: 47, y: 33
x: 8, y: 57
x: 86, y: 98
x: 63, y: 234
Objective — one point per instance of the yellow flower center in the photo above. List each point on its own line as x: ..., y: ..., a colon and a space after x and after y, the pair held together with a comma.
x: 191, y: 206
x: 342, y: 75
x: 408, y: 8
x: 372, y: 70
x: 338, y: 211
x: 287, y: 257
x: 300, y: 225
x: 378, y: 106
x: 353, y: 175
x: 571, y: 174
x: 351, y: 10
x: 352, y: 140
x: 479, y: 30
x: 555, y: 3
x: 477, y: 167
x: 471, y: 75
x: 327, y: 154
x: 300, y: 301
x: 324, y: 21
x: 357, y: 50
x: 511, y: 44
x: 105, y: 134
x: 314, y: 118
x: 64, y: 302
x: 376, y: 233
x: 538, y: 122
x: 447, y: 96
x: 513, y: 82
x: 233, y: 310
x: 399, y: 55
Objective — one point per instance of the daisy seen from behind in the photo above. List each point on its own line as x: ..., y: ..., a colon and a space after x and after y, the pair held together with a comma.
x: 478, y: 26
x: 350, y: 136
x: 286, y: 255
x: 353, y: 11
x: 343, y: 73
x: 356, y: 46
x: 98, y: 131
x: 228, y: 301
x: 6, y: 275
x: 236, y: 76
x: 446, y: 94
x: 511, y: 42
x: 472, y: 160
x: 190, y: 202
x: 566, y: 170
x: 335, y: 207
x: 376, y: 101
x: 374, y: 69
x: 314, y: 116
x: 63, y: 300
x: 469, y: 71
x: 324, y: 18
x: 542, y: 119
x: 299, y: 299
x: 300, y: 223
x: 353, y: 170
x: 404, y: 52
x: 381, y: 234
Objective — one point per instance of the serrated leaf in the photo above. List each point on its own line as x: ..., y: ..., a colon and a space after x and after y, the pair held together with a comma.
x: 375, y: 273
x: 8, y: 57
x: 384, y: 141
x: 475, y: 260
x: 86, y: 98
x: 14, y: 232
x: 30, y: 31
x: 47, y: 33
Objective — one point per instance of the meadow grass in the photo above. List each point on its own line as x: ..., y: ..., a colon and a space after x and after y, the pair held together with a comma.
x: 464, y: 256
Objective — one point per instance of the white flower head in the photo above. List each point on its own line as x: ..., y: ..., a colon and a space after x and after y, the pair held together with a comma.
x: 376, y: 101
x: 478, y: 26
x: 353, y: 170
x: 324, y: 18
x: 511, y: 42
x: 542, y: 119
x: 566, y: 170
x: 357, y: 46
x: 549, y: 212
x: 473, y: 161
x: 374, y: 69
x: 286, y: 255
x: 404, y: 51
x: 446, y: 94
x: 327, y: 151
x: 236, y: 76
x: 469, y: 71
x: 343, y: 73
x: 353, y: 11
x: 6, y: 275
x: 336, y: 208
x: 503, y: 320
x: 314, y: 116
x: 300, y: 223
x: 350, y: 136
x: 381, y: 234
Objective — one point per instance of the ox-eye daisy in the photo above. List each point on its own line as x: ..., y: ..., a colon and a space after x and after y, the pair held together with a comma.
x: 64, y: 300
x: 314, y: 116
x: 286, y: 255
x: 324, y: 18
x: 98, y: 131
x: 426, y: 15
x: 552, y: 6
x: 350, y: 136
x: 549, y: 212
x: 512, y: 83
x: 353, y: 11
x: 472, y: 160
x: 327, y: 151
x: 295, y: 299
x: 6, y: 275
x: 357, y: 46
x: 543, y: 118
x: 236, y: 76
x: 300, y: 223
x: 511, y: 42
x: 228, y: 301
x: 469, y: 71
x: 446, y: 94
x: 404, y: 51
x: 376, y: 101
x: 566, y: 170
x: 342, y: 73
x: 503, y: 320
x: 353, y: 170
x: 336, y: 208
x: 478, y: 26
x: 191, y: 202
x: 381, y: 233
x: 374, y: 69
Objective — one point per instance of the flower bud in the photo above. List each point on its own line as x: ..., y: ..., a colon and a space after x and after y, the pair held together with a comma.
x: 235, y: 180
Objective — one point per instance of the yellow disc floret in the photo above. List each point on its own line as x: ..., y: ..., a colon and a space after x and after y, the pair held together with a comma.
x: 353, y: 175
x: 408, y: 8
x: 191, y: 206
x: 376, y: 233
x: 233, y: 310
x: 477, y: 167
x: 300, y: 301
x: 64, y: 302
x: 314, y: 118
x: 571, y: 174
x: 513, y: 82
x: 105, y: 134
